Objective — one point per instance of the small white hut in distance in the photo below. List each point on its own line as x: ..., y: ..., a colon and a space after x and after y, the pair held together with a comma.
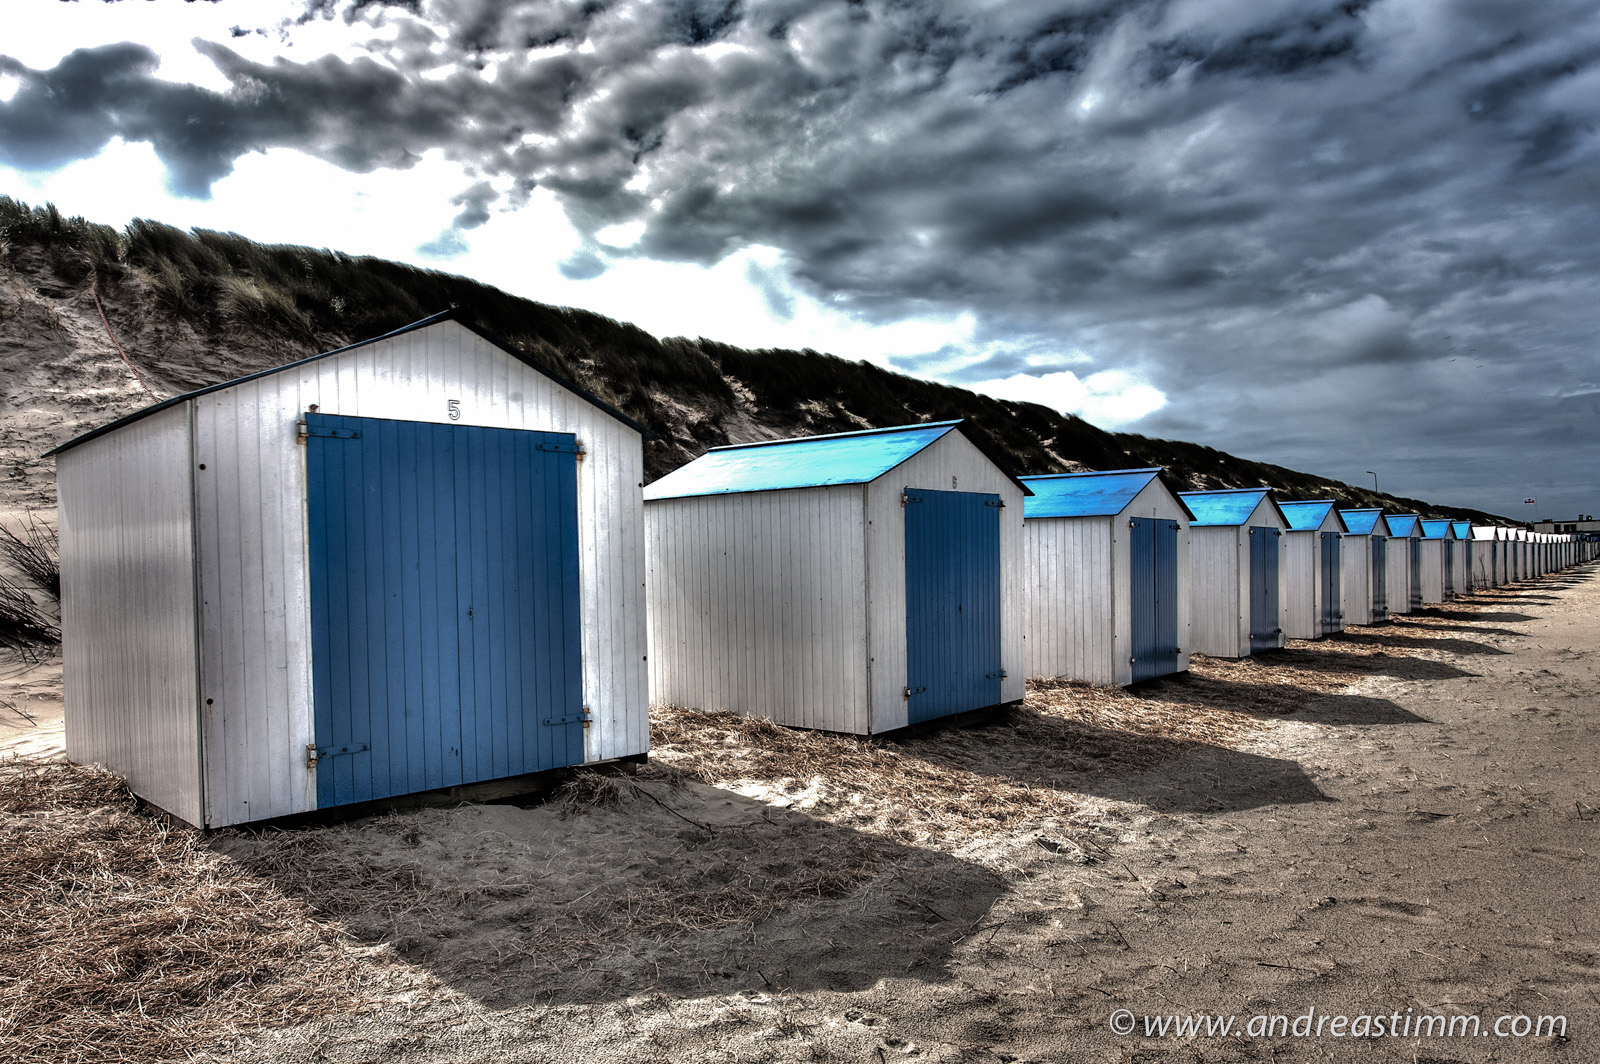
x: 1366, y: 567
x: 1235, y: 579
x: 1464, y: 578
x: 1313, y: 587
x: 1105, y: 565
x: 409, y: 564
x: 1405, y: 562
x: 858, y: 582
x: 1438, y: 560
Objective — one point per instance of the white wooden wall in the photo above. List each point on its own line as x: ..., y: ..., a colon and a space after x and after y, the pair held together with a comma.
x: 251, y: 511
x: 1300, y: 556
x: 758, y: 605
x: 1153, y: 500
x: 128, y: 609
x: 1218, y: 600
x: 1432, y: 571
x: 950, y: 463
x: 1399, y: 575
x: 1071, y: 615
x: 1355, y: 576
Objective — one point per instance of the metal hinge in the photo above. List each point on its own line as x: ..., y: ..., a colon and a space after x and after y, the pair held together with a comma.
x: 571, y: 718
x: 315, y: 753
x: 563, y: 448
x: 905, y: 498
x: 327, y: 434
x: 1001, y: 675
x: 909, y: 691
x: 998, y: 503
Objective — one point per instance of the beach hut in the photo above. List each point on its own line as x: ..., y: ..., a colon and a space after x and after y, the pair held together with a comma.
x: 412, y: 563
x: 1521, y: 554
x: 1236, y: 580
x: 1313, y: 584
x: 859, y: 582
x: 1464, y: 580
x: 1439, y: 541
x: 1405, y: 562
x: 1486, y: 564
x: 1105, y: 565
x: 1365, y: 567
x: 1438, y: 552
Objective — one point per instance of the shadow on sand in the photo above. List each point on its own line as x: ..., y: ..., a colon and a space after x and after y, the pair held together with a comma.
x: 662, y: 889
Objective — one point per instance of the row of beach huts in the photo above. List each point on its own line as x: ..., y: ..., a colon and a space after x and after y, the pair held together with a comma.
x: 423, y: 562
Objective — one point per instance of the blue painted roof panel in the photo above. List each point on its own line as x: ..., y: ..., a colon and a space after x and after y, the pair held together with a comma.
x: 1223, y: 507
x: 1403, y: 526
x: 1436, y: 530
x: 805, y: 462
x: 1364, y: 522
x: 1308, y: 516
x: 1463, y: 529
x: 1085, y: 494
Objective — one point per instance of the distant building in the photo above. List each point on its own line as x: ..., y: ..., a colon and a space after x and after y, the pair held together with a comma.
x: 1581, y: 523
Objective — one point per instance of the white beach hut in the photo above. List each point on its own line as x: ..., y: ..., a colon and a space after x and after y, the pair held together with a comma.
x: 1437, y: 552
x: 1313, y: 582
x: 1365, y: 566
x: 1405, y: 562
x: 1105, y: 567
x: 1462, y: 580
x: 859, y: 582
x: 409, y: 564
x: 1236, y: 580
x: 1486, y: 564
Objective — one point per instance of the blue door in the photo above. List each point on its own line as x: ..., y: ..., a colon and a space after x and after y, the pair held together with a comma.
x: 1380, y: 578
x: 1332, y: 600
x: 444, y: 605
x: 1264, y: 616
x: 1153, y: 610
x: 953, y: 660
x: 1416, y: 573
x: 1449, y: 568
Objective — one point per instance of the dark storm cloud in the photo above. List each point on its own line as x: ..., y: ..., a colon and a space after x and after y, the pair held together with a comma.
x: 1289, y: 215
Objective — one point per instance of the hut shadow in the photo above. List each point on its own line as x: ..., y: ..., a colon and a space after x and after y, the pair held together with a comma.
x: 1393, y: 639
x: 1399, y: 666
x: 1357, y: 710
x: 1167, y: 774
x: 1380, y: 629
x: 672, y: 888
x: 1461, y: 615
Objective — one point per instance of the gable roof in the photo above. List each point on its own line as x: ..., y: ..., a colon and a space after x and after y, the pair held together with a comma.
x: 1309, y: 516
x: 1463, y: 529
x: 806, y: 462
x: 455, y: 314
x: 1096, y: 494
x: 1230, y: 506
x: 1364, y: 522
x: 1403, y: 526
x: 1438, y: 530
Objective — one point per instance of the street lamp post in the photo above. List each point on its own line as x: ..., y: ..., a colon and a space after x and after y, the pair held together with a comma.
x: 1374, y: 481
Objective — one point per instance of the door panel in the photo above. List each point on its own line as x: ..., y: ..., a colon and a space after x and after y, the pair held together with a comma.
x: 1380, y: 578
x: 1265, y: 624
x: 1153, y: 586
x: 1332, y: 588
x: 444, y: 604
x: 953, y: 657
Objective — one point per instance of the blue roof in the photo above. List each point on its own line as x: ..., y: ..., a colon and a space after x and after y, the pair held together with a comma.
x: 1437, y: 530
x: 1101, y: 494
x: 804, y: 462
x: 1403, y: 526
x: 1364, y: 522
x: 1463, y: 529
x: 1231, y: 507
x: 1308, y: 516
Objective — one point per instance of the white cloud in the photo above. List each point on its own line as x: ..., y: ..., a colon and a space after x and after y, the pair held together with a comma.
x: 1109, y: 399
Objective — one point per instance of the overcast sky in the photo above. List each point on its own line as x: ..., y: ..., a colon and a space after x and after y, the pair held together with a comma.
x: 1338, y: 236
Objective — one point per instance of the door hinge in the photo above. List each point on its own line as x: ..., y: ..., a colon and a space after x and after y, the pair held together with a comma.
x: 997, y: 503
x: 571, y: 718
x: 1001, y: 675
x: 905, y: 498
x: 576, y: 447
x: 909, y: 691
x: 327, y: 434
x: 315, y: 753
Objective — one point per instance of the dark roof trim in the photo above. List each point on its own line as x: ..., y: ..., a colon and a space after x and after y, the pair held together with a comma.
x: 455, y: 314
x: 836, y: 435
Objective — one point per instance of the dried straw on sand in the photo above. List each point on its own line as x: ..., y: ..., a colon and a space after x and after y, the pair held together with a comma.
x: 126, y: 939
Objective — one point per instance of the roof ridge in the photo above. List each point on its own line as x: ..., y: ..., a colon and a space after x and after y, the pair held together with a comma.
x: 838, y: 435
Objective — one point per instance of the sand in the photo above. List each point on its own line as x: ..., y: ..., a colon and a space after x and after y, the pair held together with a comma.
x: 1402, y: 817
